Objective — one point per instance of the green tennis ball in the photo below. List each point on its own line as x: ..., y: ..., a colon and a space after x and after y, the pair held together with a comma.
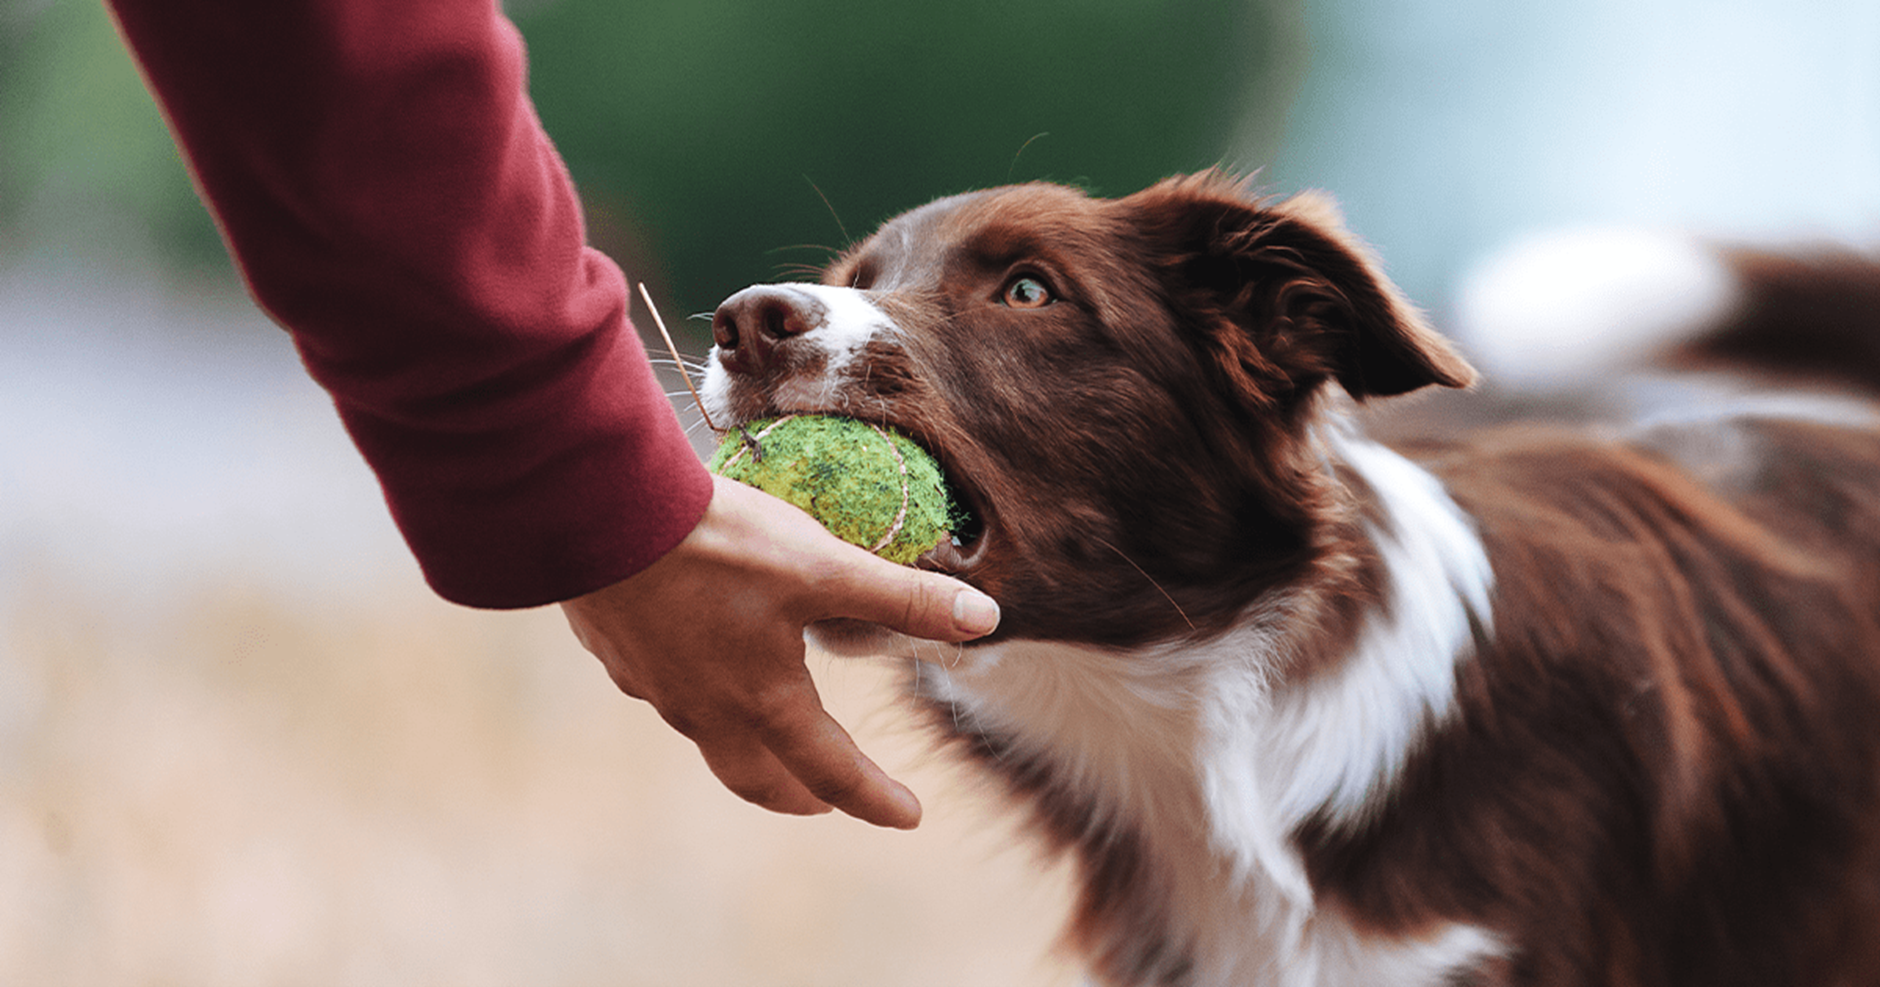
x: 869, y: 485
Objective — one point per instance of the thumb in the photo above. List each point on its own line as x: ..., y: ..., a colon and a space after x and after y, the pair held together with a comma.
x: 917, y: 603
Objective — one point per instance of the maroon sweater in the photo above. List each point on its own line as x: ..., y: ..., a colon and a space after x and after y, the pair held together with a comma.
x: 382, y: 180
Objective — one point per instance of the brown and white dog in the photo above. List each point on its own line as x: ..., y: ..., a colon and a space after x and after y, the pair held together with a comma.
x: 1526, y: 707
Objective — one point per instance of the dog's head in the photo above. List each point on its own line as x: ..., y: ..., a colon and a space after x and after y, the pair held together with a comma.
x: 1122, y: 390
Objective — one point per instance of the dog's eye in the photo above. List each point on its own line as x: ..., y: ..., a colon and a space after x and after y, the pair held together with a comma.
x: 1027, y: 292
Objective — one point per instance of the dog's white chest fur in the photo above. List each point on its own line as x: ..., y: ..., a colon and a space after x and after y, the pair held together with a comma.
x: 1214, y: 762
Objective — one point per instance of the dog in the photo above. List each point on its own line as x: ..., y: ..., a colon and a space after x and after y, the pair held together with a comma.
x: 1537, y: 706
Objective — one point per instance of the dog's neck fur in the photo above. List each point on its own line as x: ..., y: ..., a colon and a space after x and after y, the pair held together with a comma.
x: 1180, y: 773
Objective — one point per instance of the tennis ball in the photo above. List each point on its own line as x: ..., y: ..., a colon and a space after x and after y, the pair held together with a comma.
x: 869, y: 485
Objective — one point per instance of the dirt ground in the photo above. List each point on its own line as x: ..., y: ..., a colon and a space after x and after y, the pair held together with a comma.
x: 245, y: 791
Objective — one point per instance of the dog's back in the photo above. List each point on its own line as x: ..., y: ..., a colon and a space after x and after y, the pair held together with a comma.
x: 1706, y: 574
x: 1663, y: 763
x: 1704, y: 582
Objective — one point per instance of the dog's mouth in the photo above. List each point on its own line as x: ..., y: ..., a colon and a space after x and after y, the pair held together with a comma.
x: 965, y: 548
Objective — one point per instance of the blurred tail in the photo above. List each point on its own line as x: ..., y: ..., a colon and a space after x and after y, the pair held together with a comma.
x: 1811, y: 316
x: 1569, y: 309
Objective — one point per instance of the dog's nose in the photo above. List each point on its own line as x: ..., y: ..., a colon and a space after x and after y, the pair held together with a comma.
x: 749, y: 325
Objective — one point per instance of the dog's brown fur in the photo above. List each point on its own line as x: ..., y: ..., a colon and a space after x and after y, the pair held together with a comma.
x: 1660, y: 760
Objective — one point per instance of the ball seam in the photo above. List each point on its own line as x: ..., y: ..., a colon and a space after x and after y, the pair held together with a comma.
x: 900, y: 517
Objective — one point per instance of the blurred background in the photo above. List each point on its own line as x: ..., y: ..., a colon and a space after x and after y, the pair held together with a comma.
x: 241, y: 744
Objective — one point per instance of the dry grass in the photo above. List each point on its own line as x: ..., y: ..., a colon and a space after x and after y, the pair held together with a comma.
x: 248, y: 790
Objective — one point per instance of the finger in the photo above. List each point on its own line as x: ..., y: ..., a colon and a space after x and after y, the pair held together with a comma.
x: 748, y: 768
x: 917, y: 603
x: 822, y: 756
x: 858, y: 585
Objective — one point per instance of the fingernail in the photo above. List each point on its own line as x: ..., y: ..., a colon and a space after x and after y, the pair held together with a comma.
x: 975, y: 612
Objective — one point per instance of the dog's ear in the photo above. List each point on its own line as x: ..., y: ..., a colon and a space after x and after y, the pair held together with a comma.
x: 1286, y: 297
x: 1382, y: 343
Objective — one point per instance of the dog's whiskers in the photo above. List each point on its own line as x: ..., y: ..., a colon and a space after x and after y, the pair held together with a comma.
x: 683, y: 365
x: 1151, y: 579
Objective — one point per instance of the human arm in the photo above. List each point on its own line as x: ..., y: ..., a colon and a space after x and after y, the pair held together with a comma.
x: 381, y: 178
x: 392, y: 201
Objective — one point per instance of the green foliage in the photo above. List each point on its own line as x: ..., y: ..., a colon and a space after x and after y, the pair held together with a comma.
x: 84, y: 152
x: 706, y: 135
x: 718, y: 127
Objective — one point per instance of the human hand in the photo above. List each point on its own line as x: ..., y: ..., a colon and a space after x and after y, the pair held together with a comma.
x: 712, y: 636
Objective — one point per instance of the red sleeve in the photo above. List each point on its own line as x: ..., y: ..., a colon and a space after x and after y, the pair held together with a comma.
x: 381, y: 177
